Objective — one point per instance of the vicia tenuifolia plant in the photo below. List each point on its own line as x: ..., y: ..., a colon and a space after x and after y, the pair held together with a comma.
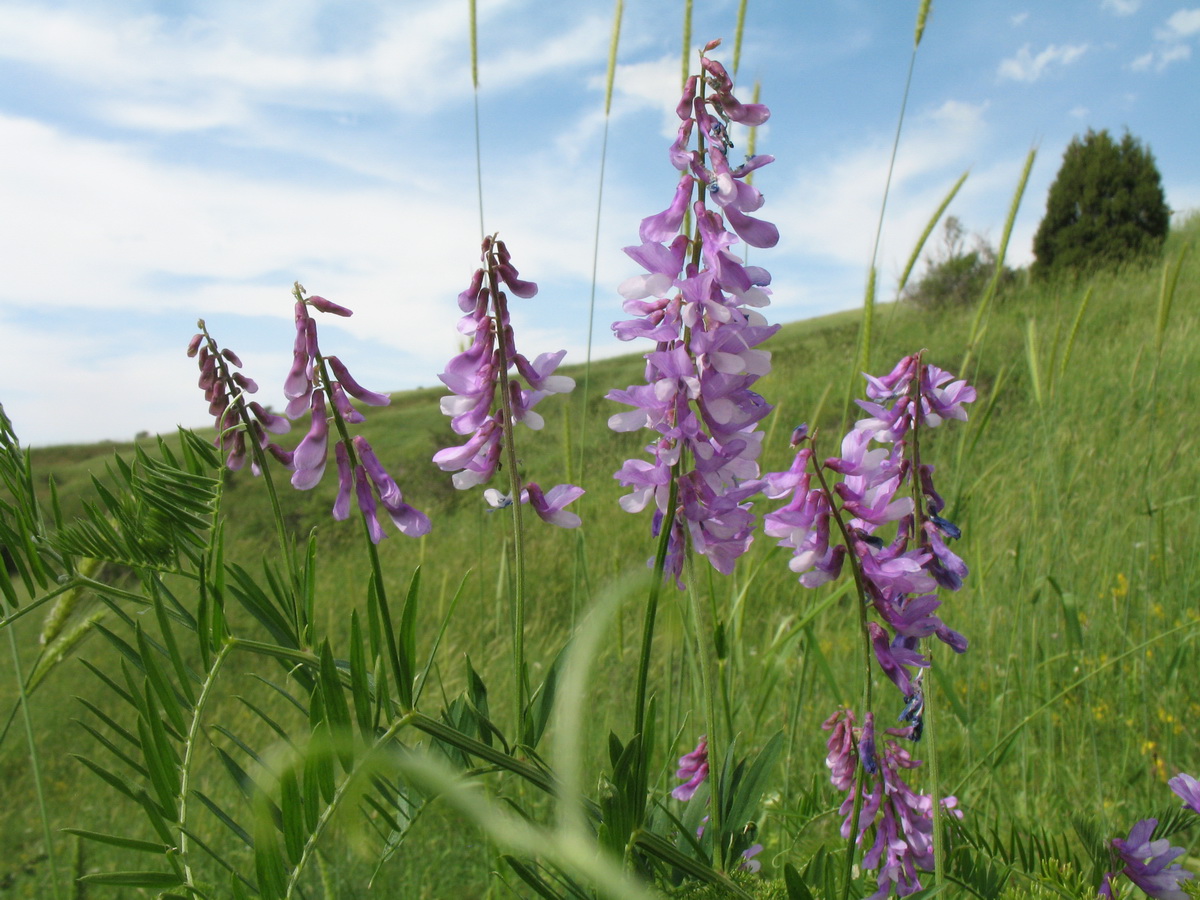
x: 698, y: 302
x: 488, y: 402
x: 841, y: 511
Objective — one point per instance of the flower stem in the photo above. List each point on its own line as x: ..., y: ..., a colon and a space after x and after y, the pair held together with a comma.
x: 660, y: 561
x: 260, y: 459
x: 705, y: 646
x: 860, y: 772
x: 500, y: 309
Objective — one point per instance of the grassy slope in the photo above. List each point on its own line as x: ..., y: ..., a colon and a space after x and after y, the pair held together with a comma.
x: 1076, y: 498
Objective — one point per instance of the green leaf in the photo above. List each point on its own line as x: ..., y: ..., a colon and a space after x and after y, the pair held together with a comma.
x: 336, y: 709
x: 157, y: 681
x: 225, y: 818
x: 796, y: 888
x: 360, y: 686
x: 295, y: 828
x: 268, y: 865
x: 117, y: 841
x: 153, y: 880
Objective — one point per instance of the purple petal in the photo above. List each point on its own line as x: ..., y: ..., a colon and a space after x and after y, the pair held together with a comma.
x: 341, y: 506
x: 328, y: 306
x: 353, y: 388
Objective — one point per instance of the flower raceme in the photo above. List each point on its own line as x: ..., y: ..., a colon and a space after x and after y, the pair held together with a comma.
x: 903, y: 818
x: 699, y: 303
x: 226, y: 390
x: 488, y: 398
x: 879, y: 457
x: 316, y: 383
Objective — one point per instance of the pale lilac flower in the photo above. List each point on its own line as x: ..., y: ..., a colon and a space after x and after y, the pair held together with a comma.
x: 749, y: 864
x: 1188, y: 789
x: 550, y: 506
x: 703, y: 317
x: 476, y: 376
x: 693, y: 769
x: 1148, y: 863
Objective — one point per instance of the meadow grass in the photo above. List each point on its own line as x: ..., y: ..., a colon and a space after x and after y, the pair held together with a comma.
x: 1074, y: 483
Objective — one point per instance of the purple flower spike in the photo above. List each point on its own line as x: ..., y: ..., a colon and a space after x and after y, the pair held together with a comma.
x: 693, y: 769
x: 313, y: 380
x: 703, y: 319
x: 235, y: 418
x: 478, y: 375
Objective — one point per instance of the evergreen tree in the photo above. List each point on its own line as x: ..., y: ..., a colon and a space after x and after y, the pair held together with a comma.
x: 1106, y: 206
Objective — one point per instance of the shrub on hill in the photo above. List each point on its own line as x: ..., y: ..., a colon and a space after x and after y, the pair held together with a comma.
x: 1105, y: 207
x: 955, y: 276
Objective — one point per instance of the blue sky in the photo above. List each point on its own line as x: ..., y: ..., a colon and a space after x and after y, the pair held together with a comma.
x: 161, y: 162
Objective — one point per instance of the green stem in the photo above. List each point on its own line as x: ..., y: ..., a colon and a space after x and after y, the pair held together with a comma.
x: 928, y: 727
x: 33, y: 760
x: 717, y: 741
x: 500, y: 310
x: 186, y: 767
x: 860, y: 773
x: 660, y: 559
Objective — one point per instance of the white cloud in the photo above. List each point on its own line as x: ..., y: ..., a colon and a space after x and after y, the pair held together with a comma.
x: 1019, y: 19
x: 830, y: 210
x: 1121, y: 7
x: 1172, y: 41
x: 226, y: 67
x: 1181, y: 24
x: 1027, y: 67
x: 1079, y: 112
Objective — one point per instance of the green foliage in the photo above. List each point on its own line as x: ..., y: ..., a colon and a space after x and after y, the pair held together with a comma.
x: 1105, y: 207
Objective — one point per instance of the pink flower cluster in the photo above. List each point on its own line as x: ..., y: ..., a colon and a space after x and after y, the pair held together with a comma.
x: 698, y: 302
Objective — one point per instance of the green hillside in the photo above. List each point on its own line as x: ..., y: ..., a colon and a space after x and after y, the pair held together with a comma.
x: 1075, y: 484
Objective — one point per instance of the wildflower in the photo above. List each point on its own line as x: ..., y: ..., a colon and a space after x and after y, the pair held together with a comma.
x: 903, y: 822
x: 699, y: 303
x: 693, y: 769
x: 226, y: 390
x: 749, y: 864
x: 487, y: 400
x: 1188, y: 789
x: 878, y: 458
x: 315, y: 381
x: 1148, y: 863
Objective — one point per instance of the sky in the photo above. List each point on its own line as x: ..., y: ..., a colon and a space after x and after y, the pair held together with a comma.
x: 162, y: 162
